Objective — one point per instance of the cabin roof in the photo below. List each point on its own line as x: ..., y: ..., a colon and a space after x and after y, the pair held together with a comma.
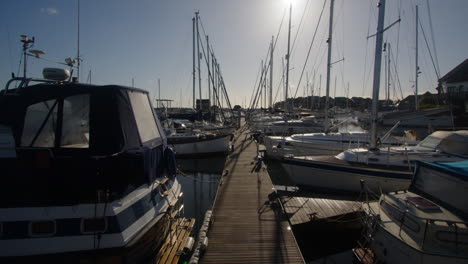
x: 453, y: 141
x: 457, y: 74
x: 112, y: 116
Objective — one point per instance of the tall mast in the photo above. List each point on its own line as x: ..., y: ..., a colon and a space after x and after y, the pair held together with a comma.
x: 193, y: 73
x: 347, y: 98
x: 283, y: 83
x: 319, y: 92
x: 385, y: 70
x: 270, y: 101
x: 417, y: 66
x: 377, y: 67
x: 213, y: 70
x: 78, y: 45
x: 208, y: 71
x: 389, y: 54
x: 287, y: 62
x: 159, y: 93
x: 307, y: 90
x: 327, y: 96
x: 198, y: 58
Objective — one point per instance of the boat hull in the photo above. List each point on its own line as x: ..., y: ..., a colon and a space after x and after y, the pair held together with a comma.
x: 135, y: 228
x: 201, y: 146
x: 327, y: 176
x: 276, y: 148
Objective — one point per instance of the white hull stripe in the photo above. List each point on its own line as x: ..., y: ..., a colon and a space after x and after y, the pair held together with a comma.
x: 72, y: 226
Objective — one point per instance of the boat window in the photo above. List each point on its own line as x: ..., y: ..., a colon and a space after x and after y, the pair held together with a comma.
x: 144, y: 117
x: 39, y: 125
x: 430, y: 142
x: 75, y: 128
x: 453, y: 237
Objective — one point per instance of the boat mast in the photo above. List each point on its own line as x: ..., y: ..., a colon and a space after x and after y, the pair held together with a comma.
x: 327, y: 96
x: 193, y: 25
x: 270, y: 102
x: 198, y: 58
x: 377, y: 68
x: 78, y: 45
x: 159, y: 93
x: 307, y: 90
x: 287, y: 62
x: 389, y: 54
x: 417, y: 66
x: 209, y: 73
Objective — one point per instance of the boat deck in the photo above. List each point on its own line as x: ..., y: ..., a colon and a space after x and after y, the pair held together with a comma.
x: 246, y: 229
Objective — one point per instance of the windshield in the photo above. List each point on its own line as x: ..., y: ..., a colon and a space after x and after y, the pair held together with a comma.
x: 41, y: 121
x: 430, y: 142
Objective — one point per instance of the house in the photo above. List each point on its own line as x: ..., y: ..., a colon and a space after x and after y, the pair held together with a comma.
x: 454, y: 85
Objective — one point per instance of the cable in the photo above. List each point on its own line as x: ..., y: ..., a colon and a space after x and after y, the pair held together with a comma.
x: 310, y: 48
x: 429, y: 50
x: 433, y: 39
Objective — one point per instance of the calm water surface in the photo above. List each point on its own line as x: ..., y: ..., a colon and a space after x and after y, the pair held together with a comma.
x: 199, y: 179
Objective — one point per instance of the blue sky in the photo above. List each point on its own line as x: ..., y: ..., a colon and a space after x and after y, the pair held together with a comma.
x: 145, y: 40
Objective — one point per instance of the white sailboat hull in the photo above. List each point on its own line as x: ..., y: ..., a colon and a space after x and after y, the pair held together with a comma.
x: 343, y: 178
x: 218, y: 144
x: 277, y: 147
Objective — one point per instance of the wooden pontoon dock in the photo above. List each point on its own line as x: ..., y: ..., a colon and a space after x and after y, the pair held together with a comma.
x: 247, y: 226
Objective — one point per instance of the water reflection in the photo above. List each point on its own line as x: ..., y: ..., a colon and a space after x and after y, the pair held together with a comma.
x: 199, y: 179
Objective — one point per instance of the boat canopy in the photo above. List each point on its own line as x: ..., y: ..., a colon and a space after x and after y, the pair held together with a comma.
x: 73, y: 142
x: 453, y: 142
x: 445, y: 183
x: 104, y: 119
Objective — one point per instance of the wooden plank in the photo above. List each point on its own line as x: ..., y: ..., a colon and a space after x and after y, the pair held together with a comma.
x: 301, y: 209
x: 247, y: 228
x: 175, y: 241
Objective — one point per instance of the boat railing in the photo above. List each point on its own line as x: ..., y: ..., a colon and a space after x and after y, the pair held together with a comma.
x: 432, y: 235
x: 23, y: 82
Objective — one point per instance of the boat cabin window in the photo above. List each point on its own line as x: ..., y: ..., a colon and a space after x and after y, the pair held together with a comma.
x: 39, y: 125
x: 144, y: 117
x: 41, y: 121
x: 430, y: 142
x: 75, y: 127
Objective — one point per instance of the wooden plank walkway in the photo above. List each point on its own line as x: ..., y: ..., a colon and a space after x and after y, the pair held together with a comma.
x: 171, y: 250
x: 303, y: 207
x: 245, y: 228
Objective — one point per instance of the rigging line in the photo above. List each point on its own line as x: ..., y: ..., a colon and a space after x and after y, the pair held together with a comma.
x: 310, y: 48
x: 397, y: 75
x: 398, y: 41
x: 255, y: 85
x: 429, y: 50
x: 274, y: 47
x: 432, y: 36
x: 299, y: 28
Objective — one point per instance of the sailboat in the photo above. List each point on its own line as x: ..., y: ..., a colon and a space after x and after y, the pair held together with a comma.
x: 345, y: 173
x: 319, y: 140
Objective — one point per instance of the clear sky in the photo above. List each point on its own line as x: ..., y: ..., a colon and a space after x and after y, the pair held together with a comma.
x: 144, y: 40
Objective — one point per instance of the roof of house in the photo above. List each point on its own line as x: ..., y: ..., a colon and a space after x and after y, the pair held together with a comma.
x: 457, y: 74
